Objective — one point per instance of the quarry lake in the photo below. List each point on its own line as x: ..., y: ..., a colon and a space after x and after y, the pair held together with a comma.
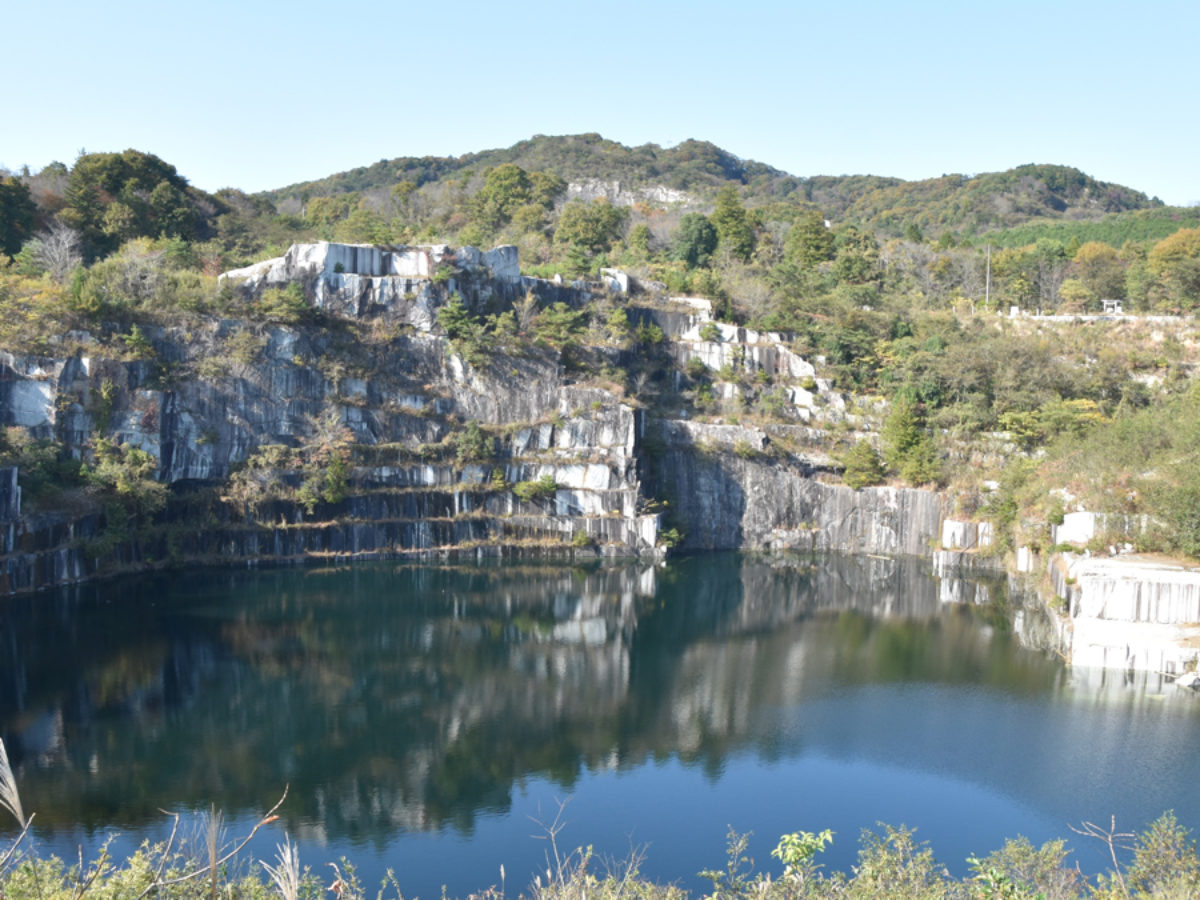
x: 427, y: 718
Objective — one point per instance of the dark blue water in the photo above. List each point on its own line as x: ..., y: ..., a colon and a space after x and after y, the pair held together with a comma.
x: 437, y: 721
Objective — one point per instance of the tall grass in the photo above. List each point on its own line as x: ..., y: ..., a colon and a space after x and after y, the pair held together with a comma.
x: 1161, y: 863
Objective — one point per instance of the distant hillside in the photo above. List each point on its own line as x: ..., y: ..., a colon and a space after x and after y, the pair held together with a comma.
x: 988, y: 201
x: 1115, y: 230
x: 964, y: 205
x: 692, y: 165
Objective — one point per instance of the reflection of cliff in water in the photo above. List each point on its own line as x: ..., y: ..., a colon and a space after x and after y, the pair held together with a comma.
x: 414, y: 697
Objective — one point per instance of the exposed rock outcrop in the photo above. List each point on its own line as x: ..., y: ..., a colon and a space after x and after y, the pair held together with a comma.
x: 737, y: 499
x: 1125, y: 613
x: 221, y: 391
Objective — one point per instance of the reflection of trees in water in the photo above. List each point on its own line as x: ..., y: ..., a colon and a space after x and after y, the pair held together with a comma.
x: 414, y: 697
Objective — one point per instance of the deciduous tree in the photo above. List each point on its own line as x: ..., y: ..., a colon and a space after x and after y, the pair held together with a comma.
x: 1175, y: 261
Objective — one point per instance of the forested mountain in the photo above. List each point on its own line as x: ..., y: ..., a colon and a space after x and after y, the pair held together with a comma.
x: 959, y: 204
x: 691, y: 166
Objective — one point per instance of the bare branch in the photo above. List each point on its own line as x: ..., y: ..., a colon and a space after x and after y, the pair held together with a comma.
x: 1114, y: 840
x: 57, y: 250
x: 159, y: 883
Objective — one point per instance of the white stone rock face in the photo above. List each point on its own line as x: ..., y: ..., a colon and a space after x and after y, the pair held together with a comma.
x: 501, y: 263
x: 1133, y: 590
x: 31, y: 403
x: 1130, y: 613
x: 615, y: 280
x: 619, y: 195
x: 1077, y: 528
x: 349, y: 279
x: 698, y: 303
x: 966, y: 535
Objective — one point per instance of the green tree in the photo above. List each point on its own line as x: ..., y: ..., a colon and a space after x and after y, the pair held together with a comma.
x: 863, y: 466
x: 287, y: 306
x: 455, y: 319
x: 809, y: 243
x: 120, y: 222
x: 1075, y: 295
x: 17, y: 211
x: 618, y: 326
x: 329, y: 210
x: 586, y: 230
x: 857, y: 257
x: 505, y: 188
x: 734, y: 232
x: 150, y: 197
x: 558, y: 325
x: 469, y: 337
x: 402, y: 196
x: 128, y: 474
x: 545, y: 188
x: 907, y: 446
x: 638, y: 242
x: 694, y: 241
x: 1175, y: 262
x: 472, y: 444
x: 1099, y: 267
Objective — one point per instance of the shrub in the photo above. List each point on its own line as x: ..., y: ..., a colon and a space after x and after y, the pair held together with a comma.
x: 670, y: 538
x: 745, y: 450
x: 864, y: 468
x: 126, y: 474
x: 649, y: 333
x: 285, y: 306
x: 472, y: 444
x: 541, y: 489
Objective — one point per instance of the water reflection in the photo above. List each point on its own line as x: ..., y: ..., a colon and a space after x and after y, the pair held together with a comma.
x: 414, y: 698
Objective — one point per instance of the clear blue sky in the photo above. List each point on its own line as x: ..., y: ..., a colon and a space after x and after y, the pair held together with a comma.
x: 258, y: 95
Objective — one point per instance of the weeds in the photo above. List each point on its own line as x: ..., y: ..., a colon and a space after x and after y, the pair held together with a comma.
x: 892, y: 865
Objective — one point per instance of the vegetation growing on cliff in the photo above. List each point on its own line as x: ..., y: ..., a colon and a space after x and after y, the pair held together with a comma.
x: 890, y: 286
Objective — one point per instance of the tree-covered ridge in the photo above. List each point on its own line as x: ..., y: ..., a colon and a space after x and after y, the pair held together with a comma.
x: 1136, y: 226
x: 691, y: 165
x: 959, y: 204
x: 970, y: 205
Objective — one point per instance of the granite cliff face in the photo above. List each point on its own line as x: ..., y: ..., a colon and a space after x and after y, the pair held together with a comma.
x: 729, y: 497
x: 210, y: 400
x: 519, y: 451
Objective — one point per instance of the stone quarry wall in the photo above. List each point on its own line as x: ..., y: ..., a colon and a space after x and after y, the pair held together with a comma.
x: 409, y: 392
x: 1128, y: 613
x: 726, y: 486
x: 729, y: 500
